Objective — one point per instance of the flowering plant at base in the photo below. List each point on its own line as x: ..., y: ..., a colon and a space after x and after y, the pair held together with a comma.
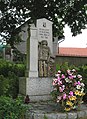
x: 69, y: 89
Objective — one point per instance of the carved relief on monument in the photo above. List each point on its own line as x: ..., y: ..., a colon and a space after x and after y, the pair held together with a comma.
x: 45, y: 61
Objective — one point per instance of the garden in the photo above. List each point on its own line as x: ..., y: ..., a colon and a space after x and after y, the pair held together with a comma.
x: 70, y: 88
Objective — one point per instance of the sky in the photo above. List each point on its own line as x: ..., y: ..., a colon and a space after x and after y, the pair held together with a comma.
x: 79, y: 41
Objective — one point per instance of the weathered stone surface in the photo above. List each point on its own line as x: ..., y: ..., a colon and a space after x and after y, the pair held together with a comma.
x: 72, y: 115
x: 39, y: 88
x: 61, y: 115
x: 51, y: 116
x: 81, y: 114
x: 38, y: 116
x: 85, y: 113
x: 50, y: 110
x: 22, y: 85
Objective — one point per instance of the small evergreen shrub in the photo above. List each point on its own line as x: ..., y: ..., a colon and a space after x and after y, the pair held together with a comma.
x: 6, y: 66
x: 12, y: 109
x: 9, y: 86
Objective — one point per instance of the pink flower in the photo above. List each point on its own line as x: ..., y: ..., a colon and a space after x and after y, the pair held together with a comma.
x: 69, y: 96
x: 68, y: 71
x: 59, y: 98
x: 63, y: 76
x: 78, y: 83
x: 74, y: 76
x: 71, y: 77
x: 54, y: 82
x: 60, y: 89
x: 58, y: 78
x: 75, y: 83
x: 64, y: 96
x: 71, y: 93
x: 59, y: 82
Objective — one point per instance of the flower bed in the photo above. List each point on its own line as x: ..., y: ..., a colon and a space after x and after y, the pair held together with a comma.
x: 68, y: 89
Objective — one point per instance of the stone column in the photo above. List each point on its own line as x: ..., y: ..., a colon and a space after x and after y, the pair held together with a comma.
x: 33, y: 65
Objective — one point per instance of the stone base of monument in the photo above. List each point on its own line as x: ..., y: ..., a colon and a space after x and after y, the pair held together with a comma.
x: 38, y: 89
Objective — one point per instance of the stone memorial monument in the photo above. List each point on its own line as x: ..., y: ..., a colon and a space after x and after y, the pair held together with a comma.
x: 40, y: 62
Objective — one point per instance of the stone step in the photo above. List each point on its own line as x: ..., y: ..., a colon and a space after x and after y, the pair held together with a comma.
x: 44, y: 110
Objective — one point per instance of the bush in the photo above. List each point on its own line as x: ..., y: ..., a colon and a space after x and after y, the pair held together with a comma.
x: 4, y: 85
x: 6, y: 66
x: 9, y: 86
x: 11, y: 109
x: 9, y: 73
x: 83, y: 71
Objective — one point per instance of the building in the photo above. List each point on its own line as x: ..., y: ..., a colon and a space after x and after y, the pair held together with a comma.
x: 75, y: 56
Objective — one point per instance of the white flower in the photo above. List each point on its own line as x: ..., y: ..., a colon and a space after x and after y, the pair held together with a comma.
x: 58, y: 98
x: 79, y: 76
x: 78, y: 86
x: 59, y: 71
x: 67, y: 80
x: 56, y: 75
x: 80, y: 79
x: 82, y: 90
x: 82, y: 84
x: 74, y: 107
x: 73, y: 70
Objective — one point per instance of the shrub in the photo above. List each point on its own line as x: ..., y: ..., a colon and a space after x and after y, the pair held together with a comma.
x: 6, y: 66
x: 11, y: 109
x: 9, y: 86
x: 83, y: 71
x: 4, y: 85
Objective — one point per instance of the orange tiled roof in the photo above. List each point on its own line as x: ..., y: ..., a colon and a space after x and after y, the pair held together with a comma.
x: 66, y: 51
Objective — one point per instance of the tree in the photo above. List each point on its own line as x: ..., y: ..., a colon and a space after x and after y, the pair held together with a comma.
x: 60, y: 12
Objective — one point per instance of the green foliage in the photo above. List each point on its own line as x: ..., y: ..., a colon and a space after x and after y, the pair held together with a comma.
x: 4, y: 85
x: 13, y: 85
x: 9, y: 86
x: 60, y: 12
x: 63, y: 66
x: 83, y: 71
x: 54, y: 94
x: 18, y: 57
x: 12, y: 109
x: 7, y: 66
x: 9, y: 73
x: 45, y: 117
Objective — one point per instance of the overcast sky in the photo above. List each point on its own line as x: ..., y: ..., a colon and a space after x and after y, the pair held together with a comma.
x: 78, y: 41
